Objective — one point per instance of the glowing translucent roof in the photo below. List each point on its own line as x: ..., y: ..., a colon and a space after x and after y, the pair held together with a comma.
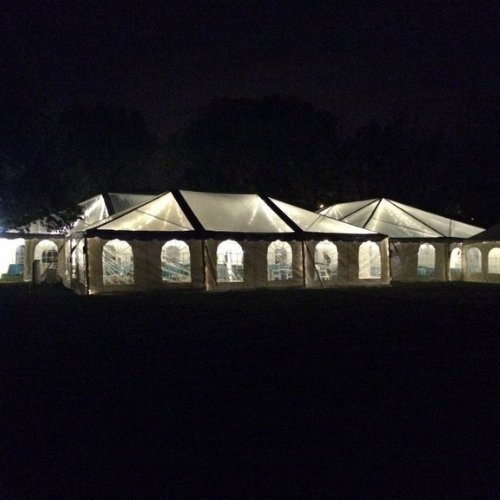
x: 317, y: 223
x: 245, y: 213
x: 231, y: 213
x: 99, y: 207
x: 398, y: 220
x: 161, y: 214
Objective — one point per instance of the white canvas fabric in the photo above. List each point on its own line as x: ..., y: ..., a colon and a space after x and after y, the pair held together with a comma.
x: 485, y: 267
x: 161, y: 214
x: 317, y: 223
x: 217, y: 241
x: 242, y: 213
x: 411, y: 229
x: 96, y: 209
x: 399, y: 220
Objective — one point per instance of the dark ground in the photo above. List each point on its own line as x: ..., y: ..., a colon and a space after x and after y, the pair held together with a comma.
x: 346, y: 393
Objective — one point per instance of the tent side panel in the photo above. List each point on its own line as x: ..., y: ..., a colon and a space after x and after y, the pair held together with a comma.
x: 295, y: 280
x: 197, y: 262
x: 455, y: 274
x: 309, y: 269
x: 487, y: 274
x: 210, y: 258
x: 94, y: 265
x: 385, y: 277
x: 147, y: 264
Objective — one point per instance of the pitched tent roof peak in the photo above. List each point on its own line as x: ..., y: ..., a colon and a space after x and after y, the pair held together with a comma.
x: 398, y: 220
x: 203, y: 212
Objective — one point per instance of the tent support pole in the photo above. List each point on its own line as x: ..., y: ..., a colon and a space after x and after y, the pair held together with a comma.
x: 204, y: 264
x: 87, y: 273
x: 315, y: 270
x: 214, y: 274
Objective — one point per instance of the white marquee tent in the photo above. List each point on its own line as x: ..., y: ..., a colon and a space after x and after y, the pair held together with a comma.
x: 482, y: 256
x: 18, y: 250
x: 220, y: 241
x: 424, y: 246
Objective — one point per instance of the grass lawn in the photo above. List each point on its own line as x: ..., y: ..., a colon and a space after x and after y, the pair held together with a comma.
x: 344, y: 393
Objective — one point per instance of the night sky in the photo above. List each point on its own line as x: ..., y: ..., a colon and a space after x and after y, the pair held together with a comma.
x: 361, y: 61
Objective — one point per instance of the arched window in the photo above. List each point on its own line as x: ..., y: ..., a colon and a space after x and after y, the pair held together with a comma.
x: 369, y: 261
x: 279, y: 261
x: 78, y: 262
x: 20, y: 254
x: 229, y: 262
x: 176, y: 262
x: 426, y: 260
x: 494, y: 261
x: 46, y: 253
x: 456, y: 260
x: 12, y: 256
x: 474, y: 260
x: 117, y: 263
x: 326, y: 260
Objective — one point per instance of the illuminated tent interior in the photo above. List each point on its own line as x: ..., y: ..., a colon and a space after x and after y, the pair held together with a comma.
x: 424, y: 246
x: 18, y: 250
x: 481, y: 255
x: 215, y: 241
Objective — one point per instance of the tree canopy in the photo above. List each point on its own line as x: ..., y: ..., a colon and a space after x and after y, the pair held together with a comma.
x: 280, y: 146
x: 82, y: 152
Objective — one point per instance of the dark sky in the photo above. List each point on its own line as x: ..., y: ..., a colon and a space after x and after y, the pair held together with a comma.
x: 361, y: 61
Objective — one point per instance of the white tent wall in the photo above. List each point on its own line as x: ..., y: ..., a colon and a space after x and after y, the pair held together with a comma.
x: 8, y: 249
x: 147, y: 267
x: 404, y: 260
x: 488, y: 273
x: 147, y: 270
x: 348, y: 265
x: 30, y: 255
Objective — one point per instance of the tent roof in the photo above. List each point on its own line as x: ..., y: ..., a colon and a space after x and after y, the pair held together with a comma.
x: 490, y: 234
x: 398, y: 220
x: 206, y: 213
x: 103, y: 205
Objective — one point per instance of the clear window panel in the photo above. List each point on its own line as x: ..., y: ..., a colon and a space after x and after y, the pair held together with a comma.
x: 176, y: 262
x: 279, y: 261
x: 46, y: 253
x: 370, y: 266
x: 426, y: 260
x: 230, y: 262
x: 494, y: 261
x: 456, y: 260
x: 326, y: 260
x: 117, y: 263
x: 474, y: 260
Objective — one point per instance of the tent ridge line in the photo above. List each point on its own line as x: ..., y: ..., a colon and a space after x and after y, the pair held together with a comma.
x: 188, y: 212
x: 108, y: 203
x: 416, y: 218
x: 356, y: 211
x: 282, y: 215
x: 373, y: 212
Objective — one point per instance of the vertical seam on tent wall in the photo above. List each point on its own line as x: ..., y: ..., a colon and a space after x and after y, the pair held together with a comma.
x: 314, y: 264
x: 304, y: 272
x: 71, y: 250
x: 401, y: 260
x: 87, y: 271
x: 214, y: 274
